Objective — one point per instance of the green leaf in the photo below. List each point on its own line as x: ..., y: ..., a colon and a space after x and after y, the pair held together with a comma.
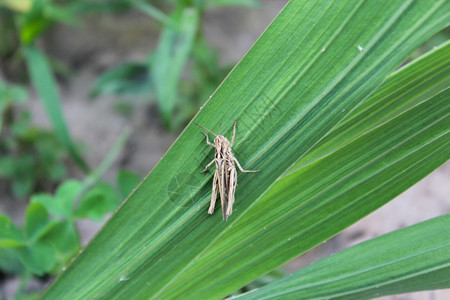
x: 9, y: 261
x: 62, y: 203
x: 7, y: 168
x: 127, y: 181
x: 43, y: 80
x: 169, y: 60
x: 303, y: 77
x: 36, y: 220
x: 22, y: 187
x: 56, y: 172
x: 63, y: 236
x: 11, y: 94
x: 21, y: 128
x: 402, y: 90
x: 33, y: 23
x: 98, y: 8
x: 127, y: 79
x: 23, y: 181
x: 62, y: 15
x: 319, y: 200
x: 155, y: 13
x: 47, y: 201
x: 97, y: 202
x: 66, y: 194
x: 10, y: 236
x: 416, y: 258
x: 38, y: 258
x: 40, y: 16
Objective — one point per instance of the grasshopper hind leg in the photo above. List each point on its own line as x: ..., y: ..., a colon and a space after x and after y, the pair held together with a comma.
x: 214, y: 193
x: 231, y: 191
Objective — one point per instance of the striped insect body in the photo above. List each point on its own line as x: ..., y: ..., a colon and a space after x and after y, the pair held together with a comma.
x: 225, y: 176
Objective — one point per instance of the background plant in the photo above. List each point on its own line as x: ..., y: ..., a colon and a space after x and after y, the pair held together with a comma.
x: 30, y: 158
x: 331, y: 151
x: 30, y: 20
x: 49, y: 238
x: 33, y: 160
x: 181, y: 72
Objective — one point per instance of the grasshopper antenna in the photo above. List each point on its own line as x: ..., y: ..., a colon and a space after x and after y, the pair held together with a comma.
x: 206, y: 129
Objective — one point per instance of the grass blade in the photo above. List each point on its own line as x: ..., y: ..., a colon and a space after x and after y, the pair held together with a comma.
x: 401, y: 91
x: 155, y: 13
x: 170, y: 58
x: 416, y: 258
x: 314, y: 203
x: 43, y: 81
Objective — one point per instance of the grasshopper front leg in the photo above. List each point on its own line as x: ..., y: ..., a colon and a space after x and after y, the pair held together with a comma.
x: 208, y: 165
x: 207, y: 140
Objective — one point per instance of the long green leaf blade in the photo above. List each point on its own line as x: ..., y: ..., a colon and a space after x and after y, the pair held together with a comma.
x: 416, y: 258
x: 287, y: 94
x: 42, y: 79
x: 402, y: 90
x: 316, y: 202
x: 170, y: 58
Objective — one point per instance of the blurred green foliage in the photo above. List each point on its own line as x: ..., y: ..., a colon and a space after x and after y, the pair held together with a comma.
x: 42, y: 78
x: 49, y: 239
x: 181, y: 72
x: 30, y: 158
x: 23, y: 22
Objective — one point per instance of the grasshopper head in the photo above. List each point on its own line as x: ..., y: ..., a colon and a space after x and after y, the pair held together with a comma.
x: 222, y: 142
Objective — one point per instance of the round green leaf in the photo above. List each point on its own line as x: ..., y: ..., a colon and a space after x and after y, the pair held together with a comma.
x: 36, y: 220
x: 10, y: 236
x: 97, y: 202
x: 38, y: 258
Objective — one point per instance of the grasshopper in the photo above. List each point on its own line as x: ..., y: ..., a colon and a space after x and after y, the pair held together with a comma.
x: 225, y: 176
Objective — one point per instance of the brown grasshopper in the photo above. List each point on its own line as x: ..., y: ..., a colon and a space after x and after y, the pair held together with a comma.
x: 225, y: 176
